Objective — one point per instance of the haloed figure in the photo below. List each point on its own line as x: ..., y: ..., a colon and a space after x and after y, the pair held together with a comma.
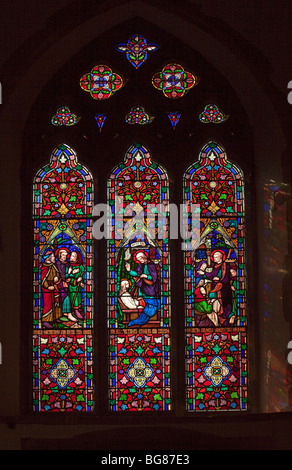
x: 219, y: 275
x: 146, y: 280
x: 50, y: 280
x: 74, y: 277
x: 62, y: 255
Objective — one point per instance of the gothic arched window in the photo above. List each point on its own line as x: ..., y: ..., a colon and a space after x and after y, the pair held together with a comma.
x: 156, y: 348
x: 63, y: 285
x: 215, y: 285
x: 138, y: 284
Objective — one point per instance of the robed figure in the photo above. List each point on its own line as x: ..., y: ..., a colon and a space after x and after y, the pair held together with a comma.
x: 50, y: 285
x: 147, y: 284
x: 72, y: 305
x: 220, y: 278
x: 62, y: 256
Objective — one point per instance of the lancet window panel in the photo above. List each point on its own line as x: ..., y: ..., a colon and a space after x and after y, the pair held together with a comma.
x: 139, y: 285
x: 215, y: 285
x: 63, y: 285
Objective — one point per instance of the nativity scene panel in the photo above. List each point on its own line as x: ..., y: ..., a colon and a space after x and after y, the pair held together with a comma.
x: 139, y: 285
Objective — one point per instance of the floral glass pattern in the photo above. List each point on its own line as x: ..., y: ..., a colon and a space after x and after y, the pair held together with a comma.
x: 100, y: 120
x: 174, y: 118
x: 137, y: 115
x: 101, y: 82
x: 64, y: 117
x: 215, y: 285
x: 62, y: 285
x: 212, y: 114
x: 136, y: 50
x: 174, y: 81
x: 139, y: 285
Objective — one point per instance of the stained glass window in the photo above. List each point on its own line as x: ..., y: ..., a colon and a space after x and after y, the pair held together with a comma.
x: 139, y: 285
x: 174, y: 118
x: 138, y: 115
x: 174, y: 81
x: 215, y: 285
x: 62, y: 285
x: 100, y: 120
x: 136, y: 50
x: 102, y: 82
x: 64, y: 117
x: 212, y: 114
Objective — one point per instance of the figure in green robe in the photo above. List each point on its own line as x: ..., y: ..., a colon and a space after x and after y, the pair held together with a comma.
x: 72, y: 305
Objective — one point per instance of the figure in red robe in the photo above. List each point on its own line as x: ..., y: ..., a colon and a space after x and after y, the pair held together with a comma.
x: 50, y: 280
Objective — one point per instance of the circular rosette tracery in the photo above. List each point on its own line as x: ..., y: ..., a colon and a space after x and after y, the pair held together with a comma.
x: 174, y: 81
x: 101, y: 82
